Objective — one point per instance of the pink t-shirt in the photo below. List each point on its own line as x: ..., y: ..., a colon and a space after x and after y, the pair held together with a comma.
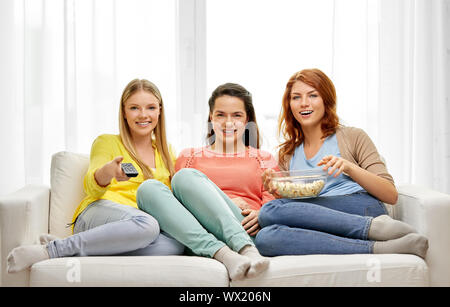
x: 237, y: 175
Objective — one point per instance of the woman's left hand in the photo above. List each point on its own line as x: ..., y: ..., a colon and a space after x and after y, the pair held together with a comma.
x: 250, y: 222
x: 336, y: 163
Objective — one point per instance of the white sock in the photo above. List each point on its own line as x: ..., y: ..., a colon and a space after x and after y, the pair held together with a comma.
x: 237, y: 265
x: 23, y: 257
x: 385, y: 228
x: 411, y: 243
x: 258, y: 262
x: 45, y: 238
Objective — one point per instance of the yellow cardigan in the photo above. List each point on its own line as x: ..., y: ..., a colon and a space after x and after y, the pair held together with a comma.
x: 104, y: 149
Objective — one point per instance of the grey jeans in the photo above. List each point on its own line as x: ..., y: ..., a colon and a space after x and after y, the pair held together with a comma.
x: 107, y: 228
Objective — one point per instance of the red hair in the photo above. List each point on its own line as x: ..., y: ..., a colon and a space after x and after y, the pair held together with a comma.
x: 289, y: 127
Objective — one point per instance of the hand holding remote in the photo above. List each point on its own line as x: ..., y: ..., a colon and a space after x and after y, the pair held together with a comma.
x: 110, y: 170
x: 129, y: 169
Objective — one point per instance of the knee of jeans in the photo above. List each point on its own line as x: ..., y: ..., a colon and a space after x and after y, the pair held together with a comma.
x: 376, y: 209
x: 147, y: 228
x: 151, y: 184
x: 260, y: 240
x: 264, y: 240
x: 148, y: 188
x: 263, y: 216
x: 184, y: 177
x: 266, y: 214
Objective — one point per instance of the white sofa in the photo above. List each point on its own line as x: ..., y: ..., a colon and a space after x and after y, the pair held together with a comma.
x: 33, y: 210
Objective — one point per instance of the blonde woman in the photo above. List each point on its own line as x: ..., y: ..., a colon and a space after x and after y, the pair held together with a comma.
x: 108, y: 221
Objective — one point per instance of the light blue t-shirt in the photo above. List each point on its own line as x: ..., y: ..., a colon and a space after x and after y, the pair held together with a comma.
x: 340, y: 185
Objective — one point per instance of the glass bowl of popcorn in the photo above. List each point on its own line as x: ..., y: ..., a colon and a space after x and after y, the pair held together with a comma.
x: 298, y: 184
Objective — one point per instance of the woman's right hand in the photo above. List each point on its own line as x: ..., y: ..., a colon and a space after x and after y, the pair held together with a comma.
x: 242, y: 204
x: 110, y: 170
x: 266, y: 175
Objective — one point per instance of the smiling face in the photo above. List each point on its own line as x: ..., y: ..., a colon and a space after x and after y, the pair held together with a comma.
x: 141, y: 111
x: 306, y: 105
x: 229, y: 119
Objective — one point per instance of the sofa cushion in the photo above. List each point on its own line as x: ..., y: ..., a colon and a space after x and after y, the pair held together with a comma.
x: 66, y: 178
x: 341, y: 270
x: 191, y: 271
x: 164, y: 271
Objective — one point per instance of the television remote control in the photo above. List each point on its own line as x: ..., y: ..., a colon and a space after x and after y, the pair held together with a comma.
x: 129, y: 169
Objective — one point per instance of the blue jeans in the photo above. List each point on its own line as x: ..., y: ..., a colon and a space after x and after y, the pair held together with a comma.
x: 322, y: 225
x: 107, y: 228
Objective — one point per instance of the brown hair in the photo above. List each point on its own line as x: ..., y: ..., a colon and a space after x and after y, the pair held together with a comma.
x: 251, y: 136
x: 289, y: 127
x: 159, y: 133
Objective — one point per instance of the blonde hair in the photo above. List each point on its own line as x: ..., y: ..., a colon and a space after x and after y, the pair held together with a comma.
x: 159, y: 133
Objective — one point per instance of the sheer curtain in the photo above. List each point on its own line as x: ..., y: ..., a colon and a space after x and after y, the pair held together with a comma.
x: 414, y: 90
x: 261, y: 44
x: 389, y: 60
x: 11, y: 112
x: 391, y: 66
x: 65, y: 64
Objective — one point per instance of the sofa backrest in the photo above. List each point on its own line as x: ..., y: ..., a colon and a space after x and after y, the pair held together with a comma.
x: 66, y: 180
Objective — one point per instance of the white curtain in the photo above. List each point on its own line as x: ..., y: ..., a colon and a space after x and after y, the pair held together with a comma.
x: 391, y: 66
x: 64, y: 66
x: 389, y: 60
x: 266, y: 42
x: 414, y: 90
x: 11, y: 110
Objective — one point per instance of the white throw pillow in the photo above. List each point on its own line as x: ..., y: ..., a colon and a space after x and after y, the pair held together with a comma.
x: 67, y: 173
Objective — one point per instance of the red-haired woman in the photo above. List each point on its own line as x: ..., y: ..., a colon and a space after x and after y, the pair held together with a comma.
x: 349, y: 216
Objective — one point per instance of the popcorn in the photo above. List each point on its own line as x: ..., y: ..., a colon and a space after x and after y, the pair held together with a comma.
x: 296, y: 190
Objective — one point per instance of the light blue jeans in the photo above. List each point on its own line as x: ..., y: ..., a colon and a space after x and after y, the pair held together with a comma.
x: 196, y: 212
x: 322, y: 225
x: 107, y: 228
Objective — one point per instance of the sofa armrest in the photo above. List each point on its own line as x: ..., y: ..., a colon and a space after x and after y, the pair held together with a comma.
x: 23, y: 217
x: 429, y: 212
